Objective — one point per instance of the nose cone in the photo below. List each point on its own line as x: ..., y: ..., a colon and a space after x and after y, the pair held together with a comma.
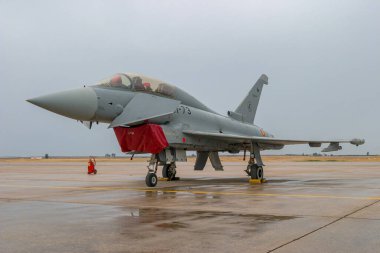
x: 80, y: 104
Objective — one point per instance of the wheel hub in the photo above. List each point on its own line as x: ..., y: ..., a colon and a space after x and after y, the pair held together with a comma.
x: 171, y: 171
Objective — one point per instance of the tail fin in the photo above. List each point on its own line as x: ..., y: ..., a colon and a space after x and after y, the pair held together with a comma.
x: 247, y: 108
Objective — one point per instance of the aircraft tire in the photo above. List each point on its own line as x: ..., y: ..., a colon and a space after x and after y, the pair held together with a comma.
x: 151, y: 180
x: 257, y: 172
x: 169, y: 171
x: 172, y: 171
x: 165, y: 170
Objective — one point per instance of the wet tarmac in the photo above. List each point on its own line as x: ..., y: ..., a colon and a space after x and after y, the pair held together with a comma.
x: 304, y: 207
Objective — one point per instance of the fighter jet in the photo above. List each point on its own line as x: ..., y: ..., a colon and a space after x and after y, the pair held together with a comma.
x: 152, y: 116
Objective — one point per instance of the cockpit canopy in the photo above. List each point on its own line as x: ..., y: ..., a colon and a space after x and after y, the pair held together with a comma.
x: 139, y: 83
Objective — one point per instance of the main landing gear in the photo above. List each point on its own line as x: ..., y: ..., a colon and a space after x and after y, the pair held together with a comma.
x: 255, y: 165
x: 169, y: 171
x: 255, y: 171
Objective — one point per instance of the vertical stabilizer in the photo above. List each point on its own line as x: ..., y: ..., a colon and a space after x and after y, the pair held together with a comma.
x: 247, y: 108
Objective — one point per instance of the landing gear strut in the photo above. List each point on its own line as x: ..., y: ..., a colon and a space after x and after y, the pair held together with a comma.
x: 151, y: 177
x: 255, y: 165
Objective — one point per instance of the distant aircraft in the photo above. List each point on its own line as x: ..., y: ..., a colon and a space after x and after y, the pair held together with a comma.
x: 151, y: 116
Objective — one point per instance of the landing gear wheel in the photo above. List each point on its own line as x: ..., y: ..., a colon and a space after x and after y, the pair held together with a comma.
x: 257, y: 172
x: 248, y: 170
x: 151, y: 180
x: 95, y: 171
x: 169, y: 171
x: 165, y: 170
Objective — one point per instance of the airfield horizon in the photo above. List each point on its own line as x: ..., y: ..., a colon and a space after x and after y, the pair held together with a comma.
x: 191, y: 159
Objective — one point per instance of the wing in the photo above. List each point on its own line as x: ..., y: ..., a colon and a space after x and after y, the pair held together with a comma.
x: 334, y: 144
x: 144, y: 108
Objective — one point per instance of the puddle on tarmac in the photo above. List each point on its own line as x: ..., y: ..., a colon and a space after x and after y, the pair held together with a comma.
x: 329, y: 181
x: 182, y: 219
x: 280, y: 180
x: 172, y: 225
x: 252, y: 217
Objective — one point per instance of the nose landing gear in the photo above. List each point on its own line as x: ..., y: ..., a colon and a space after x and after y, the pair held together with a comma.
x: 151, y: 177
x: 168, y: 171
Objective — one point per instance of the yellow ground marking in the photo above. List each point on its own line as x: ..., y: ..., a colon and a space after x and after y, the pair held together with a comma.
x: 257, y: 181
x: 111, y: 188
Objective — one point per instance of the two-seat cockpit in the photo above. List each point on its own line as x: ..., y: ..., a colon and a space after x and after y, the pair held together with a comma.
x: 139, y: 83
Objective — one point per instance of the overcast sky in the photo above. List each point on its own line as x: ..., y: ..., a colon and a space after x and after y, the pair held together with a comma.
x: 322, y: 59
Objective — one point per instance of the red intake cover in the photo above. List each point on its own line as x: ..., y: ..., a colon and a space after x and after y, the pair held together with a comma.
x: 148, y: 138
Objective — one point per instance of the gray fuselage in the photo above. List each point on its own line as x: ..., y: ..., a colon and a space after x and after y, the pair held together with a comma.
x: 112, y: 101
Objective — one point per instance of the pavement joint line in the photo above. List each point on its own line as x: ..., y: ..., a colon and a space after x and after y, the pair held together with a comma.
x: 97, y: 188
x: 324, y: 226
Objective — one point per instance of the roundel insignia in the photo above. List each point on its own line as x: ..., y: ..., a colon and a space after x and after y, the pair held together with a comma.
x: 250, y: 107
x: 262, y: 132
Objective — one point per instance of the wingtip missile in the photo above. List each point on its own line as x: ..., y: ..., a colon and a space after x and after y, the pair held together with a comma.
x: 357, y: 141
